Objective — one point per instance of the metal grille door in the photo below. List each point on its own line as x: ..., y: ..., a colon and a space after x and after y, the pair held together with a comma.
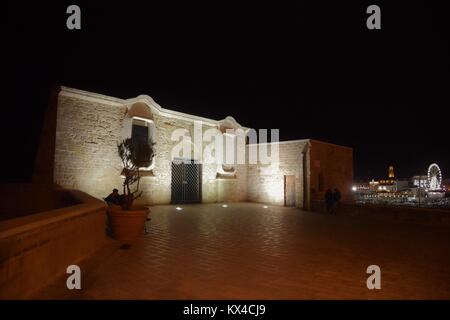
x: 186, y: 182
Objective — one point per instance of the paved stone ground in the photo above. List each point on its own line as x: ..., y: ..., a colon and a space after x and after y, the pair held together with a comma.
x: 248, y: 252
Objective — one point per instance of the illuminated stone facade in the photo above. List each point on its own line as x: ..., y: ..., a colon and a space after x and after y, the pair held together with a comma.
x: 89, y: 126
x: 266, y: 183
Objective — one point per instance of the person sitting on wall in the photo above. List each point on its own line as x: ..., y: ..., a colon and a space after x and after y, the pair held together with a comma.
x: 336, y: 198
x: 113, y: 198
x: 329, y: 200
x: 114, y: 201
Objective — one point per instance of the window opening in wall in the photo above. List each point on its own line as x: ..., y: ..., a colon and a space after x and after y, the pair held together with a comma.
x: 141, y: 139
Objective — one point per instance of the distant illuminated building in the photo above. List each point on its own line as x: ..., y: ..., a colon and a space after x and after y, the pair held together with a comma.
x: 389, y: 184
x: 373, y: 185
x: 424, y: 189
x: 446, y: 184
x: 391, y: 172
x: 361, y: 187
x: 420, y: 181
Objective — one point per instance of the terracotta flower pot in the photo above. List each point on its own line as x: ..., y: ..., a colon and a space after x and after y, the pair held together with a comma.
x: 127, y: 225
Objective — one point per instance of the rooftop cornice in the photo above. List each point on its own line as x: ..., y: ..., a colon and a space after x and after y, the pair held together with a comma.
x: 155, y: 107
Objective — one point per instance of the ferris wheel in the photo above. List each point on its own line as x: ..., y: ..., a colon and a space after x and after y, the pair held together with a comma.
x: 434, y: 177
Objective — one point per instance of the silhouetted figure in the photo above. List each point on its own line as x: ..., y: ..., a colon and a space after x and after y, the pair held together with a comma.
x: 113, y: 198
x: 329, y: 200
x: 336, y: 198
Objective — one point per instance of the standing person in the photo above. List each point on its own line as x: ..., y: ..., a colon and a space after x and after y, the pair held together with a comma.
x: 336, y: 198
x: 329, y: 200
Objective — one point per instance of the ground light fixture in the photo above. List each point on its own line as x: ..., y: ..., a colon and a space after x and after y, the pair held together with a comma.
x: 224, y: 206
x: 179, y: 208
x: 265, y: 207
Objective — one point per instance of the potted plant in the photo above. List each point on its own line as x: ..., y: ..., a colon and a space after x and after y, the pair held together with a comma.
x: 127, y: 221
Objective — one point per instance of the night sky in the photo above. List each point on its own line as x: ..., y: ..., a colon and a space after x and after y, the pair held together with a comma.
x: 310, y: 68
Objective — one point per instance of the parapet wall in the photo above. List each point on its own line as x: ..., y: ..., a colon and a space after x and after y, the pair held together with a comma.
x: 25, y: 199
x: 422, y: 216
x: 37, y: 248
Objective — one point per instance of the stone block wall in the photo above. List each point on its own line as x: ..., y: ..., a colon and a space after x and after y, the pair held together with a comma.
x: 233, y: 189
x: 87, y: 133
x: 157, y: 188
x: 86, y: 145
x: 89, y: 126
x: 36, y: 249
x: 331, y: 167
x: 265, y: 183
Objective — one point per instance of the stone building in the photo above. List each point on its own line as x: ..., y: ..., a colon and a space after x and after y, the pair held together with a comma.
x: 82, y: 129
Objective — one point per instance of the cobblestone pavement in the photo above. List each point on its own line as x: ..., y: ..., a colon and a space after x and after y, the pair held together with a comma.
x: 246, y: 251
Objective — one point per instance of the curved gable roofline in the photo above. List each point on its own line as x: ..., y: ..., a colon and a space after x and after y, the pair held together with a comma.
x: 154, y: 107
x: 157, y: 109
x: 232, y: 122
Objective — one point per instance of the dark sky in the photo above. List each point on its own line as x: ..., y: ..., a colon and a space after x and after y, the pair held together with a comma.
x: 310, y: 68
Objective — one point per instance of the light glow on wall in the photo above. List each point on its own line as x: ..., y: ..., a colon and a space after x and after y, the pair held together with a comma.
x: 274, y: 190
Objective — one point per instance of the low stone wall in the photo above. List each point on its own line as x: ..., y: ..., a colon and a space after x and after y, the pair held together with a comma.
x: 422, y: 216
x: 25, y: 199
x: 37, y: 248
